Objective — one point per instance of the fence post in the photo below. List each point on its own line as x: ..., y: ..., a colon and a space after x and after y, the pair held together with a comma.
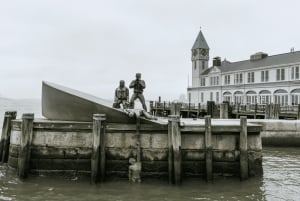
x: 243, y: 148
x: 5, y: 137
x: 174, y: 143
x: 208, y: 147
x: 98, y: 152
x: 25, y: 149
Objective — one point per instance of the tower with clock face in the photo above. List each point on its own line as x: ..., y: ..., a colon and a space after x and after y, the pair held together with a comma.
x: 200, y: 57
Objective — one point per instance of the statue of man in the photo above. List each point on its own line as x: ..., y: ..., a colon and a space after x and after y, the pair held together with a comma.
x: 134, y: 171
x: 138, y: 85
x: 121, y: 96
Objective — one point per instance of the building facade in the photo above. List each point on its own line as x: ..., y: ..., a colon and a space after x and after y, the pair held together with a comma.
x: 262, y: 79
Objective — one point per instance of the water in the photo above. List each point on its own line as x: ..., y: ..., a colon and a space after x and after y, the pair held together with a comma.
x: 280, y: 181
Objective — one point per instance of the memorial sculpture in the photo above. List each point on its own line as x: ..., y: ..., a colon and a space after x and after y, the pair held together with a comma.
x: 121, y: 96
x: 134, y: 171
x: 138, y: 86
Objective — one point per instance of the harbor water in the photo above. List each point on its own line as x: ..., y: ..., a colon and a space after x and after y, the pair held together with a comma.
x: 280, y: 180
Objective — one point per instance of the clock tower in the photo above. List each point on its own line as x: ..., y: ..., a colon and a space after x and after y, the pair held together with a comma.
x: 200, y: 57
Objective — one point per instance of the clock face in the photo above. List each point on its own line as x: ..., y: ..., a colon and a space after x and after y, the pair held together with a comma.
x: 203, y: 52
x: 194, y: 52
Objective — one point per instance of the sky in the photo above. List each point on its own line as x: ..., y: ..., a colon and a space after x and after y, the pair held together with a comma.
x: 91, y: 45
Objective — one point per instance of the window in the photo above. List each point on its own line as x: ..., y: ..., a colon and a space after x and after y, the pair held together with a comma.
x: 238, y: 78
x: 194, y: 64
x: 202, y: 81
x: 295, y: 73
x: 217, y: 97
x: 203, y: 65
x: 190, y: 97
x: 280, y: 74
x: 211, y: 96
x: 227, y: 79
x: 214, y: 81
x: 202, y: 97
x: 251, y: 77
x: 265, y: 76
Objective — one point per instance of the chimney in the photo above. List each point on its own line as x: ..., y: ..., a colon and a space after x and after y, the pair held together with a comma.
x: 217, y: 61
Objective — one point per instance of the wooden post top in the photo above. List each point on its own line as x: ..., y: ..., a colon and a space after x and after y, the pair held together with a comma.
x: 10, y: 114
x: 99, y: 117
x: 28, y: 116
x: 174, y: 118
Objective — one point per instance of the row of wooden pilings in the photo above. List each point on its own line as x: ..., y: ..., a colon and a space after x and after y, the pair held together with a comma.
x: 98, y: 148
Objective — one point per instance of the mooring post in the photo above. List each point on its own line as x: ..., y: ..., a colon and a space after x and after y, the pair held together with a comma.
x: 174, y: 142
x: 208, y: 148
x: 98, y: 152
x: 243, y: 148
x: 5, y: 137
x: 223, y: 111
x: 276, y: 109
x: 298, y: 112
x: 199, y: 110
x: 25, y: 146
x: 210, y: 108
x: 255, y: 110
x: 267, y: 111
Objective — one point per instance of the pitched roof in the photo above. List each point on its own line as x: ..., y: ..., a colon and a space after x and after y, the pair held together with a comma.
x: 200, y: 42
x: 279, y: 59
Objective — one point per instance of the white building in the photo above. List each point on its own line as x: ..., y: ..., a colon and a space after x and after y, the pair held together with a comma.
x: 261, y: 79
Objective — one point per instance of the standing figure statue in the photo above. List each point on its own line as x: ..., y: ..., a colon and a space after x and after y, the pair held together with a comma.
x: 138, y: 85
x: 134, y: 171
x: 121, y: 96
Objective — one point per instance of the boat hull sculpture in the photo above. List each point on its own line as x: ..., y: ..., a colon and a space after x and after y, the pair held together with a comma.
x: 62, y: 103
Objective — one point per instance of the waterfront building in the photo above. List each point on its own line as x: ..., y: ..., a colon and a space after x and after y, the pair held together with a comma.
x: 261, y: 79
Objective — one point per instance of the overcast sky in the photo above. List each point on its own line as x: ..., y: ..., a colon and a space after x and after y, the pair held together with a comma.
x: 91, y: 45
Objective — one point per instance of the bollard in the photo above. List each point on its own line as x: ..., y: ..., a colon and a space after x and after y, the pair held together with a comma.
x: 25, y: 146
x: 223, y: 111
x: 174, y: 144
x: 243, y: 148
x: 98, y: 152
x: 208, y: 147
x: 5, y: 137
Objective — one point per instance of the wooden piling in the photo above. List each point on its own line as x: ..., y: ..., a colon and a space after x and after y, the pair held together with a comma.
x: 267, y: 111
x: 223, y: 111
x: 298, y: 112
x: 138, y: 139
x: 255, y: 110
x: 25, y: 145
x: 5, y: 137
x: 243, y: 149
x: 210, y: 108
x: 175, y: 109
x: 208, y: 147
x: 98, y: 152
x: 174, y: 143
x: 276, y: 111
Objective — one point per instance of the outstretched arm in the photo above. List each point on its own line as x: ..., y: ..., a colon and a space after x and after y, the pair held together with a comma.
x: 132, y: 84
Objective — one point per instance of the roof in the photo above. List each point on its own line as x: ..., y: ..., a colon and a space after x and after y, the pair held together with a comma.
x: 200, y: 42
x: 279, y: 59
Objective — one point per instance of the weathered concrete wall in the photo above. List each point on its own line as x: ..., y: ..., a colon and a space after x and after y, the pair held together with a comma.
x: 67, y: 146
x: 279, y: 132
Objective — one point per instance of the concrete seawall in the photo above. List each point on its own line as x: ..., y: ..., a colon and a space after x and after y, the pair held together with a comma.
x: 285, y: 133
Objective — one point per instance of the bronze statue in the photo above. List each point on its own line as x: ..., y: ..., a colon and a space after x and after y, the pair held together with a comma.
x: 121, y: 96
x: 138, y: 85
x: 134, y: 171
